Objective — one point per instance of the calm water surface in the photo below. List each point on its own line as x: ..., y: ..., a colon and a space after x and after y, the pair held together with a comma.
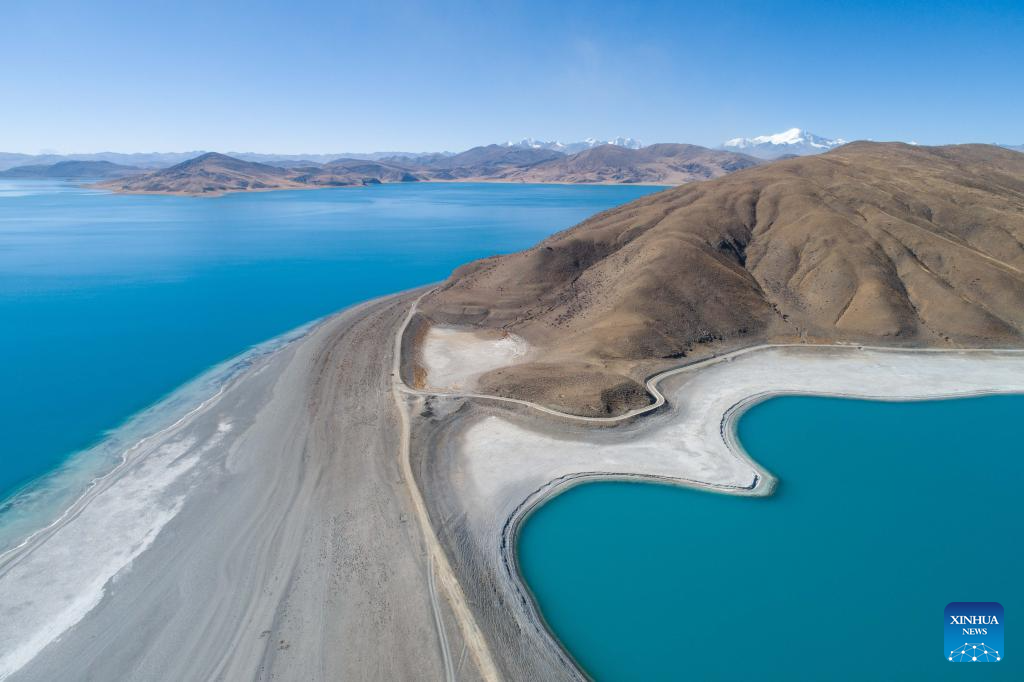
x: 109, y: 302
x: 885, y: 513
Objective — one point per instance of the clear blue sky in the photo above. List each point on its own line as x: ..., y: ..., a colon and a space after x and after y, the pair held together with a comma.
x: 299, y: 77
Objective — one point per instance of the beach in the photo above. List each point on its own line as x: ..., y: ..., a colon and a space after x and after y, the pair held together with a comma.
x: 268, y: 535
x: 318, y: 518
x: 125, y: 339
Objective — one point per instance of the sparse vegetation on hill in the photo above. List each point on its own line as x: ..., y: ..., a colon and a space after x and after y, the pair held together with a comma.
x: 887, y: 244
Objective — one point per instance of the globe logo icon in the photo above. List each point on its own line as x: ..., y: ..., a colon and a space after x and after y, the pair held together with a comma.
x: 975, y: 652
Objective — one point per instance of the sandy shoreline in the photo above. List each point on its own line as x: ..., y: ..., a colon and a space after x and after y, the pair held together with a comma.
x: 41, y: 502
x: 269, y: 535
x: 318, y: 519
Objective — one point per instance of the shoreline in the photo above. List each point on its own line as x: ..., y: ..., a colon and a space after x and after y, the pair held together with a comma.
x: 227, y: 534
x: 469, y: 181
x: 554, y: 488
x: 515, y: 504
x: 514, y: 525
x: 651, y: 383
x: 152, y: 424
x: 284, y: 537
x: 761, y: 487
x: 164, y: 414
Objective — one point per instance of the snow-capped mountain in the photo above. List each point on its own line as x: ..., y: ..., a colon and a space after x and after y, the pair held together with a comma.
x: 575, y: 147
x: 792, y: 141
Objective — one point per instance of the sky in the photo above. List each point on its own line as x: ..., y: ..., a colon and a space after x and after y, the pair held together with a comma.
x: 337, y: 76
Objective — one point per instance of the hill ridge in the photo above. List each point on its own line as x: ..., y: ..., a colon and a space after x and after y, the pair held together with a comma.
x: 880, y: 243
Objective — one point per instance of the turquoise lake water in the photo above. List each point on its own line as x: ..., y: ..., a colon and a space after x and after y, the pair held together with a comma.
x: 109, y: 302
x: 885, y: 513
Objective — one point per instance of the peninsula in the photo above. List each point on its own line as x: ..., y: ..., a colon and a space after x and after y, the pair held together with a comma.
x: 510, y: 341
x: 348, y: 504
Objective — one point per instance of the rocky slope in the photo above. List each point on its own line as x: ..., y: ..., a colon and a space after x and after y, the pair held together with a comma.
x: 886, y: 244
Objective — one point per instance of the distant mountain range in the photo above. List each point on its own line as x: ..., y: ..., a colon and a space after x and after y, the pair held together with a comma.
x: 141, y: 160
x: 798, y: 142
x: 489, y: 162
x: 669, y: 164
x: 622, y: 161
x: 156, y: 160
x: 792, y: 142
x: 575, y: 147
x: 72, y: 169
x: 661, y: 164
x: 213, y: 174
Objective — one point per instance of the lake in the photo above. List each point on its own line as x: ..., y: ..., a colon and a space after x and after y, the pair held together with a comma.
x: 885, y: 513
x: 110, y: 302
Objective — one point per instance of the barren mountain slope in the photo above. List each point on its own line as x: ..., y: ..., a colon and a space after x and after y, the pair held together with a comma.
x: 877, y: 243
x: 669, y: 164
x: 214, y: 174
x: 207, y: 174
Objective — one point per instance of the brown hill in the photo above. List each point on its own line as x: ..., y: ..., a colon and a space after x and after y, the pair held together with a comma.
x: 214, y: 174
x: 209, y: 174
x: 657, y: 164
x: 887, y: 244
